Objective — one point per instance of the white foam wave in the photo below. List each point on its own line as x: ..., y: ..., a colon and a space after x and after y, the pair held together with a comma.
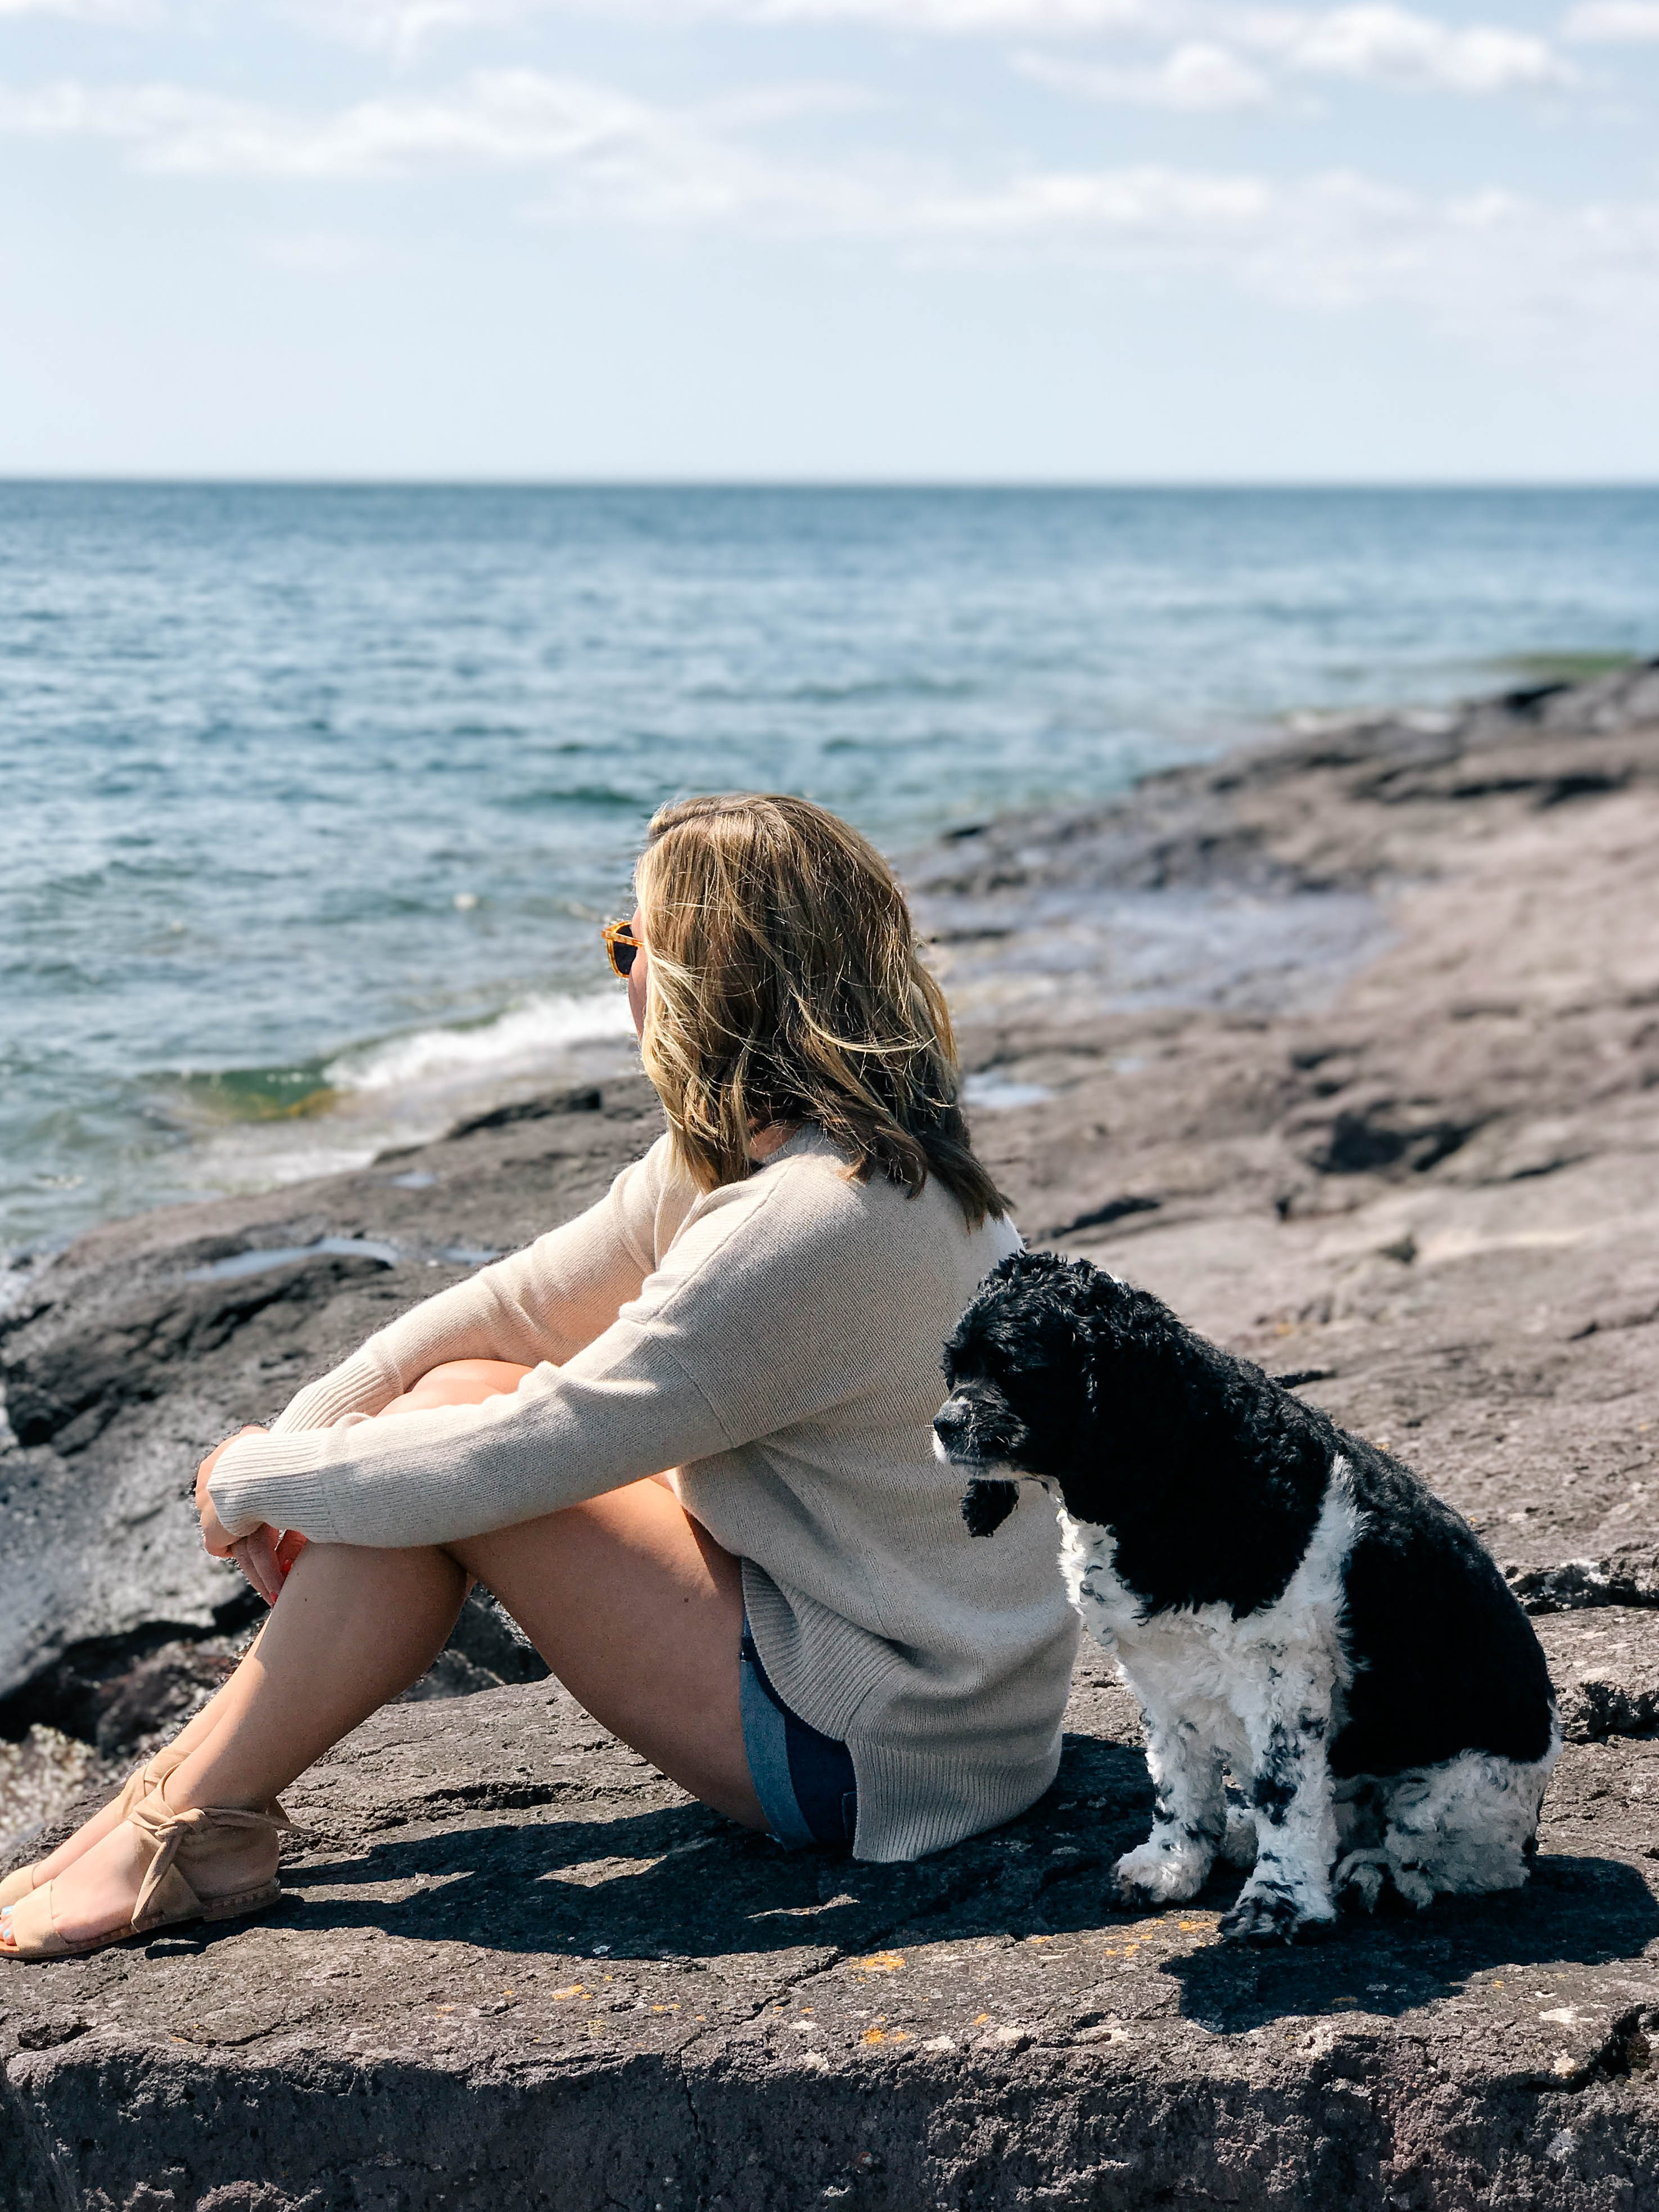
x: 521, y: 1038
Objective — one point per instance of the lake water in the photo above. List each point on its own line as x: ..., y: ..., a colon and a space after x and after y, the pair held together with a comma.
x: 312, y: 797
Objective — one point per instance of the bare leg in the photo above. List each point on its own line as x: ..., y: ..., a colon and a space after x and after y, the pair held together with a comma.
x: 634, y: 1606
x: 352, y: 1628
x: 94, y: 1831
x: 639, y: 1611
x: 460, y: 1382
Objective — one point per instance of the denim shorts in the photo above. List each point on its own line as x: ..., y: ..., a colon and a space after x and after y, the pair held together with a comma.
x: 805, y: 1781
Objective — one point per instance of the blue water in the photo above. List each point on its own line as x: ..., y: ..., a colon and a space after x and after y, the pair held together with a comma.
x: 313, y: 796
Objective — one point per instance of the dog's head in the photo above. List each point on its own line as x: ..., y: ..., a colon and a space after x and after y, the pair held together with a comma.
x: 1023, y: 1372
x: 1058, y: 1371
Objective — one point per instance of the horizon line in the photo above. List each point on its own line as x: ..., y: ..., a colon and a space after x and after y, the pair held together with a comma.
x: 299, y: 481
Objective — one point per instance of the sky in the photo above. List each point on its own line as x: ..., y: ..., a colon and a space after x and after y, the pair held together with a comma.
x: 1073, y: 240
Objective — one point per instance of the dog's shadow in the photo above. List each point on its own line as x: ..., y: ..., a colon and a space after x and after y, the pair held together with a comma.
x: 1574, y: 1913
x: 682, y: 1882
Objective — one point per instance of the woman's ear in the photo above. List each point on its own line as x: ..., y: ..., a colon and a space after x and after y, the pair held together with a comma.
x: 637, y: 975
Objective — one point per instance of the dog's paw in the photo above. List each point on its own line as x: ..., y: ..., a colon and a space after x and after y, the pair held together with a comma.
x: 1360, y: 1878
x: 1267, y: 1913
x: 1412, y: 1882
x: 1152, y: 1875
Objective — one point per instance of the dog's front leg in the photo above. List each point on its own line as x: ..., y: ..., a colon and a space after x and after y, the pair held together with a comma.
x: 1190, y: 1813
x: 1289, y: 1895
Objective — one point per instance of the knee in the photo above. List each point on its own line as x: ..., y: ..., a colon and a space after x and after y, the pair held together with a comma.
x: 461, y: 1382
x: 489, y: 1375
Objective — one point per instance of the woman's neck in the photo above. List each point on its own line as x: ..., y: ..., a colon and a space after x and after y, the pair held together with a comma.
x: 764, y: 1142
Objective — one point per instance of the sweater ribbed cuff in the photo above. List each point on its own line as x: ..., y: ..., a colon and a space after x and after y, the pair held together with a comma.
x: 363, y: 1384
x: 274, y: 1480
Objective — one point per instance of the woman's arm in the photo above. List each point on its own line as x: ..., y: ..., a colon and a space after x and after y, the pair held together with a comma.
x: 756, y: 1320
x: 619, y: 1411
x: 542, y: 1303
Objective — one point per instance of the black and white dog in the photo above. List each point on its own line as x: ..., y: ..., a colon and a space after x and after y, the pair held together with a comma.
x: 1290, y: 1605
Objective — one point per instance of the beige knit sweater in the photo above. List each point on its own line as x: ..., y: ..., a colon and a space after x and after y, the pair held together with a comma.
x: 778, y: 1341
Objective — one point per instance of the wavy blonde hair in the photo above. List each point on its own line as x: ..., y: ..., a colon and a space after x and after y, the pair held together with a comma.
x: 785, y: 985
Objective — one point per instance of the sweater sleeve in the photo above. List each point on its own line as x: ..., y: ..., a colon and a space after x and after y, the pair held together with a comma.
x: 545, y: 1303
x: 726, y: 1343
x: 621, y: 1409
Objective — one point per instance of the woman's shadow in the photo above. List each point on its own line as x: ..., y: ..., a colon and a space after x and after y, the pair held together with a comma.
x: 682, y: 1882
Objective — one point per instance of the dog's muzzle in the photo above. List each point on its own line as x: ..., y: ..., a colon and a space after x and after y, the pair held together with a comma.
x: 953, y: 1432
x: 976, y: 1429
x: 961, y: 1440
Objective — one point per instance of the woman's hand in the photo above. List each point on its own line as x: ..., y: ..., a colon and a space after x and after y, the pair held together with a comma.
x: 264, y: 1554
x: 213, y: 1529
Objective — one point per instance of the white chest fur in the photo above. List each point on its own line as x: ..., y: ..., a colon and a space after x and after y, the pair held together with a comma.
x: 1202, y: 1660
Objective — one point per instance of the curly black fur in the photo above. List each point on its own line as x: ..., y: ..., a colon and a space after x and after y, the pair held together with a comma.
x: 1211, y: 1477
x: 1058, y: 1369
x: 987, y: 1505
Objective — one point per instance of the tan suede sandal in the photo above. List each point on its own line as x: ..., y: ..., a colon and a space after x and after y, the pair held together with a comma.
x: 137, y: 1787
x: 183, y: 1847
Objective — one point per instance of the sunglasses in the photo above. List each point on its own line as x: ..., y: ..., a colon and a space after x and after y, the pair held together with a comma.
x: 621, y: 944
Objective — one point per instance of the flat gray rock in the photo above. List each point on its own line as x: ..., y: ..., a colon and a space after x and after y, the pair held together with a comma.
x: 515, y: 1967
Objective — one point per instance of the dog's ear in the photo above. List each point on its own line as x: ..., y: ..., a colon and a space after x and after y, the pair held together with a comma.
x: 987, y: 1505
x: 1136, y: 1363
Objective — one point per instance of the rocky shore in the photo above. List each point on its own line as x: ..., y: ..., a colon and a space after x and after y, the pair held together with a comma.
x: 1349, y: 1047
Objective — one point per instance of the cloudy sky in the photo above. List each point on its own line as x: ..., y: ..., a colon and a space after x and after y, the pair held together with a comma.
x: 916, y: 239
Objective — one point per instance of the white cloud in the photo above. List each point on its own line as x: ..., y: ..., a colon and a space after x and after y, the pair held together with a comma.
x: 958, y: 18
x: 85, y: 11
x: 402, y: 24
x: 402, y: 27
x: 1369, y: 44
x: 511, y: 118
x: 1491, y: 261
x: 1148, y: 203
x: 610, y: 156
x: 1614, y: 22
x: 1380, y: 44
x: 1196, y: 78
x: 1575, y: 285
x: 1374, y: 41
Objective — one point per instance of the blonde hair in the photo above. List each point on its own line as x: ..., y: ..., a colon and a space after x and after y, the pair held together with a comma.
x: 785, y: 985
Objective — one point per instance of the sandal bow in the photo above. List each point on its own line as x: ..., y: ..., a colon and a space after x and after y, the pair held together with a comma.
x: 178, y: 1885
x: 189, y: 1835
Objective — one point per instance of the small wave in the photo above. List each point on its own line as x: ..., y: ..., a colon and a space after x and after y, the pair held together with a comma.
x: 251, y: 1094
x: 604, y: 797
x: 522, y: 1036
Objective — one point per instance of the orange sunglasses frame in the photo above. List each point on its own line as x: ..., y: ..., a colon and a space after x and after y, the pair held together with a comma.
x: 617, y: 934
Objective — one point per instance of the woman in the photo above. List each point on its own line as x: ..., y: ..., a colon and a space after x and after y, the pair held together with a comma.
x: 792, y: 1623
